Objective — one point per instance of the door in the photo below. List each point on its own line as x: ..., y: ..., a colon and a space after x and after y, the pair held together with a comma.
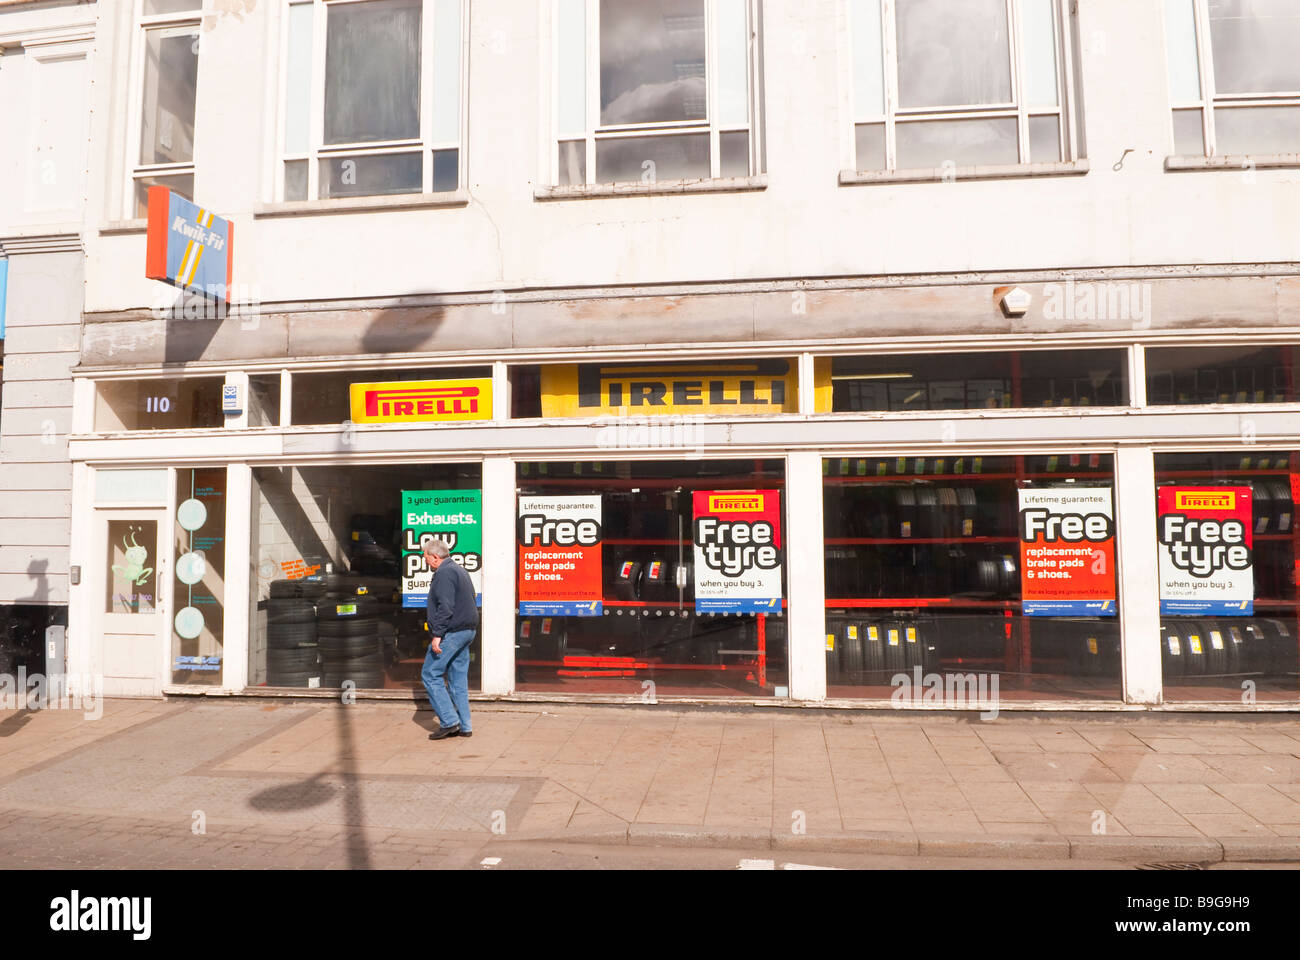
x: 130, y: 613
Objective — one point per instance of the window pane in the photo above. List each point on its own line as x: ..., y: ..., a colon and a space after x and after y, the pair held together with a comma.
x: 868, y: 66
x: 371, y: 176
x: 158, y: 404
x: 1039, y: 39
x: 297, y: 99
x: 184, y: 185
x: 131, y: 567
x: 734, y: 150
x: 652, y: 61
x: 446, y: 71
x: 199, y: 581
x: 733, y: 63
x: 1044, y: 140
x: 1254, y: 45
x: 372, y: 71
x: 446, y: 170
x: 171, y: 76
x: 1257, y: 130
x: 573, y: 162
x: 648, y: 159
x: 152, y: 7
x: 1180, y: 50
x: 295, y: 180
x: 1189, y: 134
x: 1222, y: 374
x: 571, y: 62
x: 953, y: 53
x: 929, y: 143
x: 870, y: 143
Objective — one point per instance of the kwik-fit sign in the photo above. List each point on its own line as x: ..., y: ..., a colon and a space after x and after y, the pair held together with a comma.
x: 188, y: 246
x: 421, y: 401
x: 737, y: 551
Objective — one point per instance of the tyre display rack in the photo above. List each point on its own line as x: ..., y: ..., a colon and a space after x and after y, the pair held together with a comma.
x: 922, y: 562
x: 649, y: 626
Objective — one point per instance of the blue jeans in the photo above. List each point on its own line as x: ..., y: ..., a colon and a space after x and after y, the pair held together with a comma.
x: 453, y: 664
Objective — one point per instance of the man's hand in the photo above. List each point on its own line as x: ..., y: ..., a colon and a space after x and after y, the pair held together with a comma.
x: 437, y: 646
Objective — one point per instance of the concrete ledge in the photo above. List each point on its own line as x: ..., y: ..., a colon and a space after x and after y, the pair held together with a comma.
x: 849, y: 841
x: 379, y: 204
x: 659, y: 188
x: 1010, y: 845
x: 687, y: 835
x: 605, y: 836
x: 1278, y: 850
x: 1244, y: 161
x: 1177, y: 849
x: 1010, y: 171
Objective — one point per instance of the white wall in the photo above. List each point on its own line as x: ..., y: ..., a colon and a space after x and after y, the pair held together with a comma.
x: 803, y: 225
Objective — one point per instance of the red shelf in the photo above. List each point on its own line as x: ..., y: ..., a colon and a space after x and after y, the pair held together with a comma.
x: 1077, y: 475
x: 904, y: 603
x: 865, y: 541
x: 1185, y: 474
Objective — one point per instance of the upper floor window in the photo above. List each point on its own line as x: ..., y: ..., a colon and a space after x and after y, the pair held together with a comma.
x: 1234, y: 76
x: 166, y: 82
x: 372, y: 98
x: 651, y: 90
x: 981, y: 82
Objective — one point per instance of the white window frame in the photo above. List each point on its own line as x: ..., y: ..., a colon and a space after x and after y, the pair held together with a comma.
x: 318, y: 150
x: 173, y: 23
x: 1211, y: 100
x: 1018, y: 107
x: 597, y: 131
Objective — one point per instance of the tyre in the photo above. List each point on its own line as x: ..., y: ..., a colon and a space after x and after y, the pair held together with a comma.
x: 290, y: 611
x: 852, y: 659
x: 291, y: 661
x: 1195, y: 649
x: 289, y: 635
x: 1173, y: 660
x: 873, y: 649
x: 914, y: 655
x: 289, y: 679
x: 307, y: 589
x: 365, y: 627
x: 362, y: 681
x: 894, y: 640
x: 334, y: 647
x: 1216, y: 648
x: 346, y: 608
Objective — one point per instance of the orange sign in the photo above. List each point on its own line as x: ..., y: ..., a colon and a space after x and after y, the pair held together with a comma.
x: 421, y: 401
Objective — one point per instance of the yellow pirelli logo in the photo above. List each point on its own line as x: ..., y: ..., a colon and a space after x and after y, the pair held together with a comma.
x: 736, y: 504
x: 1205, y: 501
x: 419, y: 401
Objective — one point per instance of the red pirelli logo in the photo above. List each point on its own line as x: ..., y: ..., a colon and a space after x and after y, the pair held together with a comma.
x: 418, y: 401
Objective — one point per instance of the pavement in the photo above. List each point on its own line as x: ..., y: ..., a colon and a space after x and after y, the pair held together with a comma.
x: 248, y: 783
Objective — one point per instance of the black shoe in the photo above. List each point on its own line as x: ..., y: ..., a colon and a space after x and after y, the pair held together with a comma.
x: 465, y: 733
x: 445, y: 732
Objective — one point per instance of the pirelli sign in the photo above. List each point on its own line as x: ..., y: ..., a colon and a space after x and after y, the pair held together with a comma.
x: 659, y: 389
x: 421, y: 401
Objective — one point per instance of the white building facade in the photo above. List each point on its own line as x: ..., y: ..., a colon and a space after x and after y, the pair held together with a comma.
x: 910, y: 272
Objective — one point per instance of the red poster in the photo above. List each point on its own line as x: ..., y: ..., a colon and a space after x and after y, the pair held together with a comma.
x: 560, y: 556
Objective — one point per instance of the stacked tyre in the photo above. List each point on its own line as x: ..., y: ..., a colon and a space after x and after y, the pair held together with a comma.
x: 291, y: 640
x: 351, y: 647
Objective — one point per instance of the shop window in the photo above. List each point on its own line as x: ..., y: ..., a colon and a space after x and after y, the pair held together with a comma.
x: 674, y: 98
x: 1234, y: 79
x: 168, y: 52
x: 199, y: 588
x: 994, y: 575
x: 614, y: 596
x: 1228, y: 598
x: 977, y: 83
x: 158, y: 404
x: 375, y: 108
x: 431, y: 394
x: 965, y: 381
x: 1251, y: 374
x: 264, y: 400
x: 338, y: 593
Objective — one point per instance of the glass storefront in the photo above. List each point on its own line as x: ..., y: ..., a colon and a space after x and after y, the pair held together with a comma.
x: 996, y: 568
x: 1229, y: 547
x: 651, y: 578
x: 338, y: 595
x: 199, y: 590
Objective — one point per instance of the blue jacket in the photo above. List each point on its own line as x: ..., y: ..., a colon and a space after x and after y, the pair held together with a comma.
x: 451, y: 603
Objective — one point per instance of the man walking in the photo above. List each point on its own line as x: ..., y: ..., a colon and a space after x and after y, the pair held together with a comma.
x: 453, y: 621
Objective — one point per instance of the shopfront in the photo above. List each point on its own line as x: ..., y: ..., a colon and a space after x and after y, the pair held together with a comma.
x: 796, y: 529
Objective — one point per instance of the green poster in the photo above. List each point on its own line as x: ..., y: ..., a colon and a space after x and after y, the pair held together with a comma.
x: 453, y: 516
